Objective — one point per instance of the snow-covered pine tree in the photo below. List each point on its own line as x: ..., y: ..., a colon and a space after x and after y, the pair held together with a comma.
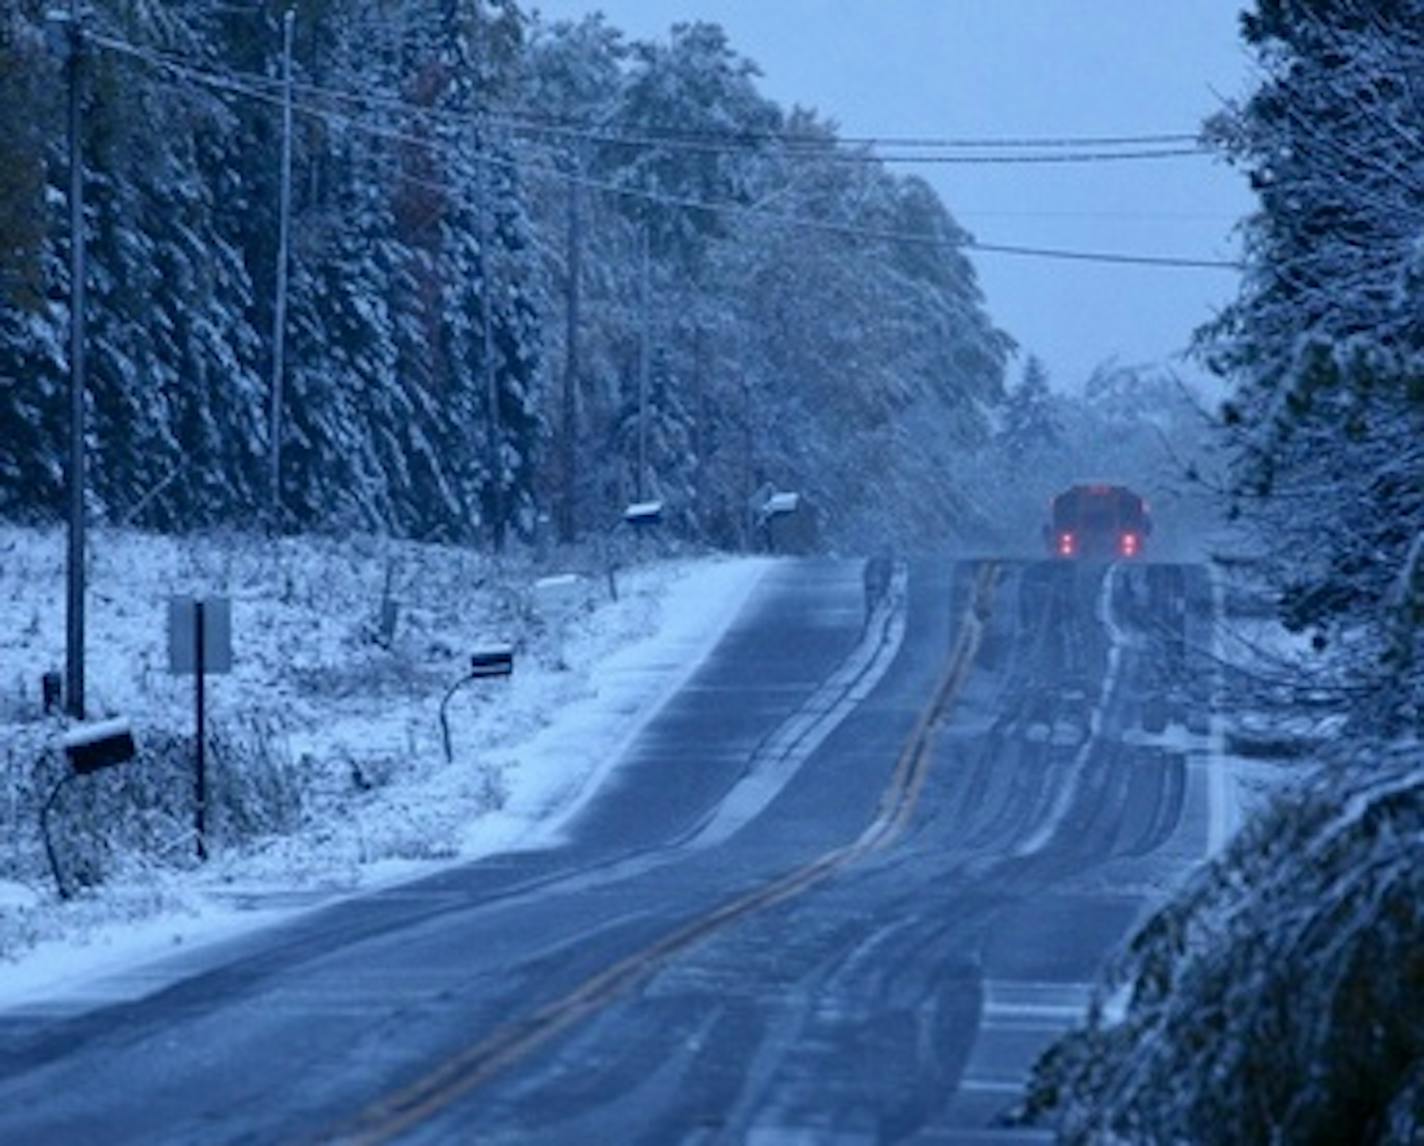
x: 1029, y: 423
x: 170, y: 388
x: 455, y: 54
x: 1326, y: 346
x: 343, y: 405
x: 27, y: 106
x: 32, y: 352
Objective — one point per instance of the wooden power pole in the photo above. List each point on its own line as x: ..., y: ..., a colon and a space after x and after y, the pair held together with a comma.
x: 568, y: 447
x: 74, y: 610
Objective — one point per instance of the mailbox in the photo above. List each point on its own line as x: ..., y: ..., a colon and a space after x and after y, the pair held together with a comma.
x: 102, y: 744
x: 780, y: 504
x: 643, y: 513
x: 497, y: 660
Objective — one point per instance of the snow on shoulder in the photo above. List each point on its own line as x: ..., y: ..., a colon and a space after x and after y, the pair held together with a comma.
x: 350, y: 723
x: 553, y: 775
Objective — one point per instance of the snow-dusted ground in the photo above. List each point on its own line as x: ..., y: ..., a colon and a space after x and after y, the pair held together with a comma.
x: 339, y: 725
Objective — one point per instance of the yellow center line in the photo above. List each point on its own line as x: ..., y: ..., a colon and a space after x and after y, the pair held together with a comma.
x: 415, y: 1103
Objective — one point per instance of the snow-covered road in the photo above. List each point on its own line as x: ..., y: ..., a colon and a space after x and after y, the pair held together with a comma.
x: 866, y: 943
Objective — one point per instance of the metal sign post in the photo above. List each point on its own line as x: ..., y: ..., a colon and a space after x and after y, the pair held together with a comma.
x: 200, y: 642
x: 200, y: 781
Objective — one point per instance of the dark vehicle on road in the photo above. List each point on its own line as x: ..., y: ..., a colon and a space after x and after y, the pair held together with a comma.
x: 1098, y: 522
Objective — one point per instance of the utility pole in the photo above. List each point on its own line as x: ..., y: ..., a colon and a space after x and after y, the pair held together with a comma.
x: 568, y: 450
x: 74, y: 612
x: 699, y: 428
x: 644, y: 366
x: 279, y: 309
x: 496, y: 459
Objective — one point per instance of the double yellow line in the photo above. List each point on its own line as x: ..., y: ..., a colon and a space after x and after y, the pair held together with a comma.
x: 414, y: 1104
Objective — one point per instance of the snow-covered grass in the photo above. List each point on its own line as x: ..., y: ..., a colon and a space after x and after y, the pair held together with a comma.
x: 326, y: 765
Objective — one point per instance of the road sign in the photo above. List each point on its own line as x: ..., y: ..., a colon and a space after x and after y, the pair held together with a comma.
x: 183, y: 634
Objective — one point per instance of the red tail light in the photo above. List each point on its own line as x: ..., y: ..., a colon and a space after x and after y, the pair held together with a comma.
x: 1130, y: 544
x: 1066, y: 544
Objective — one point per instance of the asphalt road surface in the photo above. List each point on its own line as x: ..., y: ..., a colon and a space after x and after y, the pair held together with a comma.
x: 847, y: 884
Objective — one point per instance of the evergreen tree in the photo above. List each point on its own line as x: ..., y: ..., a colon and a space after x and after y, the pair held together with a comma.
x: 1324, y: 347
x: 1030, y: 423
x: 33, y: 353
x: 26, y: 74
x: 169, y: 384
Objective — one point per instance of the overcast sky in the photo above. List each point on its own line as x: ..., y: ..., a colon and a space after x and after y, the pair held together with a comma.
x: 1025, y: 68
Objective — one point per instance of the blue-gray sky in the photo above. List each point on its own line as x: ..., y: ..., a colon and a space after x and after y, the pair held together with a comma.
x: 1025, y: 68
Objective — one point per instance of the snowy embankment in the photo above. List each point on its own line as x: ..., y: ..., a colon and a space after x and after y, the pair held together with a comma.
x: 327, y: 771
x: 1278, y: 995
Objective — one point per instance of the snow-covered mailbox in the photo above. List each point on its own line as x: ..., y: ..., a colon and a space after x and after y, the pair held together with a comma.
x: 490, y: 661
x: 780, y: 504
x: 642, y: 514
x: 776, y: 507
x: 102, y: 744
x: 496, y: 660
x: 88, y: 748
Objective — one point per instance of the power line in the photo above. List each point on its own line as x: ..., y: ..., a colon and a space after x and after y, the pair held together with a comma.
x: 238, y: 83
x: 960, y: 241
x: 942, y: 143
x: 826, y: 148
x: 732, y: 138
x: 834, y: 148
x: 1106, y: 257
x: 847, y: 230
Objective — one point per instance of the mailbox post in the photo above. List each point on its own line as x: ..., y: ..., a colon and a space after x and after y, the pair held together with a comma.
x: 556, y: 598
x: 88, y: 748
x: 492, y: 661
x: 200, y: 642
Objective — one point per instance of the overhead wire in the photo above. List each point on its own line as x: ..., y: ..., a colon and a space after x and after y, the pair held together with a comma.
x: 824, y: 148
x: 237, y: 84
x: 729, y: 139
